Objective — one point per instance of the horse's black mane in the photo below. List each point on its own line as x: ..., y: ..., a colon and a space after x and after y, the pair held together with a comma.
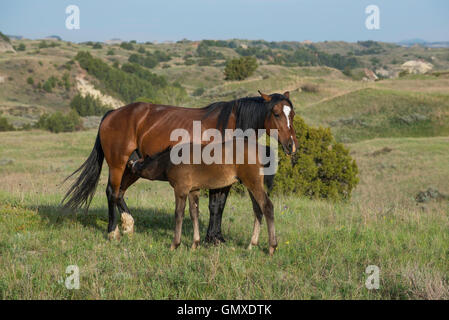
x: 250, y: 112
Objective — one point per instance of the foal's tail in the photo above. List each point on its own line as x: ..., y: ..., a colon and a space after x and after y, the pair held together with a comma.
x: 81, y: 192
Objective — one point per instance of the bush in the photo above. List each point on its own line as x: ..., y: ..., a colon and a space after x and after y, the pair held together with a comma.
x: 30, y: 81
x: 50, y: 84
x: 127, y: 46
x: 240, y: 68
x: 21, y: 47
x: 131, y: 82
x: 310, y: 87
x: 110, y: 52
x: 43, y: 44
x: 58, y: 122
x: 198, y: 92
x: 88, y: 106
x: 321, y: 168
x: 5, y: 125
x: 97, y: 45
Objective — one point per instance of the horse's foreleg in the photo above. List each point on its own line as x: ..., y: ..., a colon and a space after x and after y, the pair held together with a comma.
x: 217, y: 202
x: 194, y: 215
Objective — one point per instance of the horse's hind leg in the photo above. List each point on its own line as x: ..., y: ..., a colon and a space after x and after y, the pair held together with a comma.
x: 113, y: 192
x: 127, y: 220
x: 194, y: 215
x: 179, y: 215
x: 258, y: 215
x: 113, y: 232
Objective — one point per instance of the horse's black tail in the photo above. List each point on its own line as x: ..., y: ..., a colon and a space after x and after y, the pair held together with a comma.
x: 81, y: 192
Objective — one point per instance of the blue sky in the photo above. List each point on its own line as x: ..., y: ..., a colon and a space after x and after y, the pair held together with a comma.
x: 273, y: 20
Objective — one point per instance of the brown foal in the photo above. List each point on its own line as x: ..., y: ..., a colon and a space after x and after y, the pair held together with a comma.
x: 188, y: 178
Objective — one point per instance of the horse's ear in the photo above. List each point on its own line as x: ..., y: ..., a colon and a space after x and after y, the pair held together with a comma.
x: 287, y: 94
x: 266, y: 97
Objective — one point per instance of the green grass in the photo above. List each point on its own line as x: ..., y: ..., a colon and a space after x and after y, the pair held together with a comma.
x: 324, y: 247
x: 379, y: 113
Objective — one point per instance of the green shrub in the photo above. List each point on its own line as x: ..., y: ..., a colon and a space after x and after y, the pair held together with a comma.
x: 58, y: 122
x: 97, y: 45
x: 66, y: 81
x: 321, y: 168
x: 131, y: 82
x: 43, y: 44
x: 127, y: 45
x: 5, y: 37
x: 198, y: 92
x: 21, y: 47
x: 30, y: 81
x: 88, y: 105
x: 110, y: 52
x: 5, y: 125
x: 50, y: 84
x: 240, y: 68
x: 310, y: 87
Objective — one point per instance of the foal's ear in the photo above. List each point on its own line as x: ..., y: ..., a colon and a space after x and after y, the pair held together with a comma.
x: 266, y: 97
x: 287, y: 94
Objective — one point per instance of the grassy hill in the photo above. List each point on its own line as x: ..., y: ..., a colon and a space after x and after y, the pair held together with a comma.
x: 282, y: 66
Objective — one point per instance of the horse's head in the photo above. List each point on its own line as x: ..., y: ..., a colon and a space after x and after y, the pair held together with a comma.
x: 280, y: 117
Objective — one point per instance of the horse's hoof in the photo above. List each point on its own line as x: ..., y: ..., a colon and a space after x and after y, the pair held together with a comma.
x: 216, y: 240
x: 127, y: 223
x: 272, y: 250
x: 195, y: 245
x: 114, y: 235
x: 250, y: 246
x: 173, y: 247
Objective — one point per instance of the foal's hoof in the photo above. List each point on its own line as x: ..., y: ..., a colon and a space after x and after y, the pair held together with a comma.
x: 173, y: 247
x: 272, y: 250
x: 114, y: 235
x: 127, y: 223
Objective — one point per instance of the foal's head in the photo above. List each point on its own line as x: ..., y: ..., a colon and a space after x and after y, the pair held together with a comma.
x: 152, y: 168
x: 281, y: 118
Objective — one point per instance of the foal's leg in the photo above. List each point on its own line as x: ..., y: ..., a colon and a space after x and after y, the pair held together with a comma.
x: 258, y: 215
x: 179, y: 215
x: 194, y: 215
x: 266, y: 207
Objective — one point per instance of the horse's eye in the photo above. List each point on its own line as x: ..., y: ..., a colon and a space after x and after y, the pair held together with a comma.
x: 276, y: 115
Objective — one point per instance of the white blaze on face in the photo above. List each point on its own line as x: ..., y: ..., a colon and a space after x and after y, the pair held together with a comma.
x: 287, y: 111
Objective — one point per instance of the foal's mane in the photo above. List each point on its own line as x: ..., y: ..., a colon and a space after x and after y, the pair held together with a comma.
x: 250, y: 112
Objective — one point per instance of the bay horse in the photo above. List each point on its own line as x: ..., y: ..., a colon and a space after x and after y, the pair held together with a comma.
x: 140, y: 129
x: 188, y: 178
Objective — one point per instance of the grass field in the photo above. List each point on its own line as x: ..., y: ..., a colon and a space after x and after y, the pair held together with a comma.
x: 324, y: 247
